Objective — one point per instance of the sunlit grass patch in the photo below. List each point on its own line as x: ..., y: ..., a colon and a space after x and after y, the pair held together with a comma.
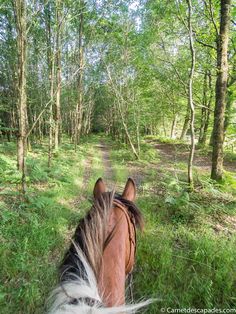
x: 186, y: 252
x: 183, y: 266
x: 185, y: 256
x: 34, y: 233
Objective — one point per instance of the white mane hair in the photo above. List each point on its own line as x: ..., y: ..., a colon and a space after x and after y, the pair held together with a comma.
x: 71, y: 296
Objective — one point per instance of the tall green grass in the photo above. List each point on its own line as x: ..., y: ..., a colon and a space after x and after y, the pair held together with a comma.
x: 34, y: 233
x: 185, y: 256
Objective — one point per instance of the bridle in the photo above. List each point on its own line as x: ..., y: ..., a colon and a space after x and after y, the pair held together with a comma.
x: 131, y: 231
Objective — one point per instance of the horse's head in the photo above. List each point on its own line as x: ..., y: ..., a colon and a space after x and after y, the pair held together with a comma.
x: 102, y: 254
x: 120, y: 242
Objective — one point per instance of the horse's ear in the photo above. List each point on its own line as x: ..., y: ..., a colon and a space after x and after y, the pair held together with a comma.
x: 99, y: 188
x: 129, y: 190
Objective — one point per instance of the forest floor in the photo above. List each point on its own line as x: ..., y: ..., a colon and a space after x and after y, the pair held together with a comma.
x: 172, y: 153
x: 186, y: 254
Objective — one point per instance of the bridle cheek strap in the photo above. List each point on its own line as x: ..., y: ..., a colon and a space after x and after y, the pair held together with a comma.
x: 131, y: 233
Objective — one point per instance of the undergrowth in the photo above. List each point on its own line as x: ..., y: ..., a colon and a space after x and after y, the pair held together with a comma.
x: 35, y: 232
x: 185, y: 256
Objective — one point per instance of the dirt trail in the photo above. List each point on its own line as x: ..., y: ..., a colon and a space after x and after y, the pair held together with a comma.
x: 172, y: 154
x: 109, y: 175
x: 87, y: 171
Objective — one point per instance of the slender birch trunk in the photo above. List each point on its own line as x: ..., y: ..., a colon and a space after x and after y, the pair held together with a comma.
x: 127, y: 131
x: 58, y: 76
x: 190, y: 98
x: 51, y: 121
x: 51, y: 71
x: 20, y: 14
x: 79, y: 105
x: 173, y: 125
x: 203, y: 138
x: 204, y: 108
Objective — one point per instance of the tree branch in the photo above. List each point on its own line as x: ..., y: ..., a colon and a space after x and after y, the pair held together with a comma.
x: 204, y: 44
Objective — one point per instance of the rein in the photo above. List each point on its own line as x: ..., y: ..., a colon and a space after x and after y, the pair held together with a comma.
x: 132, y: 235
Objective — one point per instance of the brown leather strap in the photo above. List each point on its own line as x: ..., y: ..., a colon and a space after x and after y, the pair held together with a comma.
x: 132, y: 240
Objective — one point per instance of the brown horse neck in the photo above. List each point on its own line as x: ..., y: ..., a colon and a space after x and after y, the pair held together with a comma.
x: 118, y: 256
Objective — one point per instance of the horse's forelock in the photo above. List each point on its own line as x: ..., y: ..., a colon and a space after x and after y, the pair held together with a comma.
x: 91, y: 233
x: 90, y: 236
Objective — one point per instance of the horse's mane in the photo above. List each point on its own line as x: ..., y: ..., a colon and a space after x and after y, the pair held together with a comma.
x: 77, y: 292
x: 90, y: 234
x: 80, y: 296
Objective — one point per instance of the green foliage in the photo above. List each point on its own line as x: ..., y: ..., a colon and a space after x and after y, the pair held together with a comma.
x: 36, y: 171
x: 33, y: 233
x: 185, y: 257
x: 8, y: 172
x: 148, y: 153
x: 185, y: 268
x: 122, y: 153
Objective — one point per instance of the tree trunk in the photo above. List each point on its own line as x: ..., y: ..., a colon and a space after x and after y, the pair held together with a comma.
x: 163, y: 125
x: 50, y: 144
x: 58, y: 76
x: 186, y: 124
x: 229, y: 103
x: 190, y: 97
x: 51, y: 65
x: 203, y: 138
x: 221, y: 89
x: 20, y: 14
x: 79, y: 110
x: 173, y: 126
x: 127, y: 131
x: 204, y: 108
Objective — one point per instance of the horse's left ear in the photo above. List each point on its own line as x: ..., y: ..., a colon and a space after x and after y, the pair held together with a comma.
x: 129, y: 190
x: 99, y: 188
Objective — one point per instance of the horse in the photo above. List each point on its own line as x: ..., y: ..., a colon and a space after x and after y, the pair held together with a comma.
x: 100, y: 257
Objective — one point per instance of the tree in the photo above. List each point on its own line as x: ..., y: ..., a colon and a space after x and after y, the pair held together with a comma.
x: 57, y: 119
x: 221, y: 90
x: 79, y: 104
x: 190, y: 95
x: 206, y: 107
x: 51, y: 75
x: 20, y: 15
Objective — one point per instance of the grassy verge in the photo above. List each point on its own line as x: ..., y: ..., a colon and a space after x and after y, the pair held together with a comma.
x: 186, y: 255
x: 34, y: 233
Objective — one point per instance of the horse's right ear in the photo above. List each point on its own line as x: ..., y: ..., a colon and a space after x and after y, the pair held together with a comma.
x: 130, y: 190
x: 99, y: 188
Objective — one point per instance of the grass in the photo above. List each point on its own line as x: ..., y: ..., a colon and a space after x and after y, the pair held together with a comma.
x: 34, y: 233
x: 185, y: 257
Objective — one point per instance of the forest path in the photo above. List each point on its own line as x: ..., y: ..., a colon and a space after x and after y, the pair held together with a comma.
x: 87, y: 170
x: 109, y: 174
x: 133, y: 171
x: 172, y: 154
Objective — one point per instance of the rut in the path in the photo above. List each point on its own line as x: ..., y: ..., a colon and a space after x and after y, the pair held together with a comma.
x: 87, y: 171
x: 134, y: 172
x: 109, y: 175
